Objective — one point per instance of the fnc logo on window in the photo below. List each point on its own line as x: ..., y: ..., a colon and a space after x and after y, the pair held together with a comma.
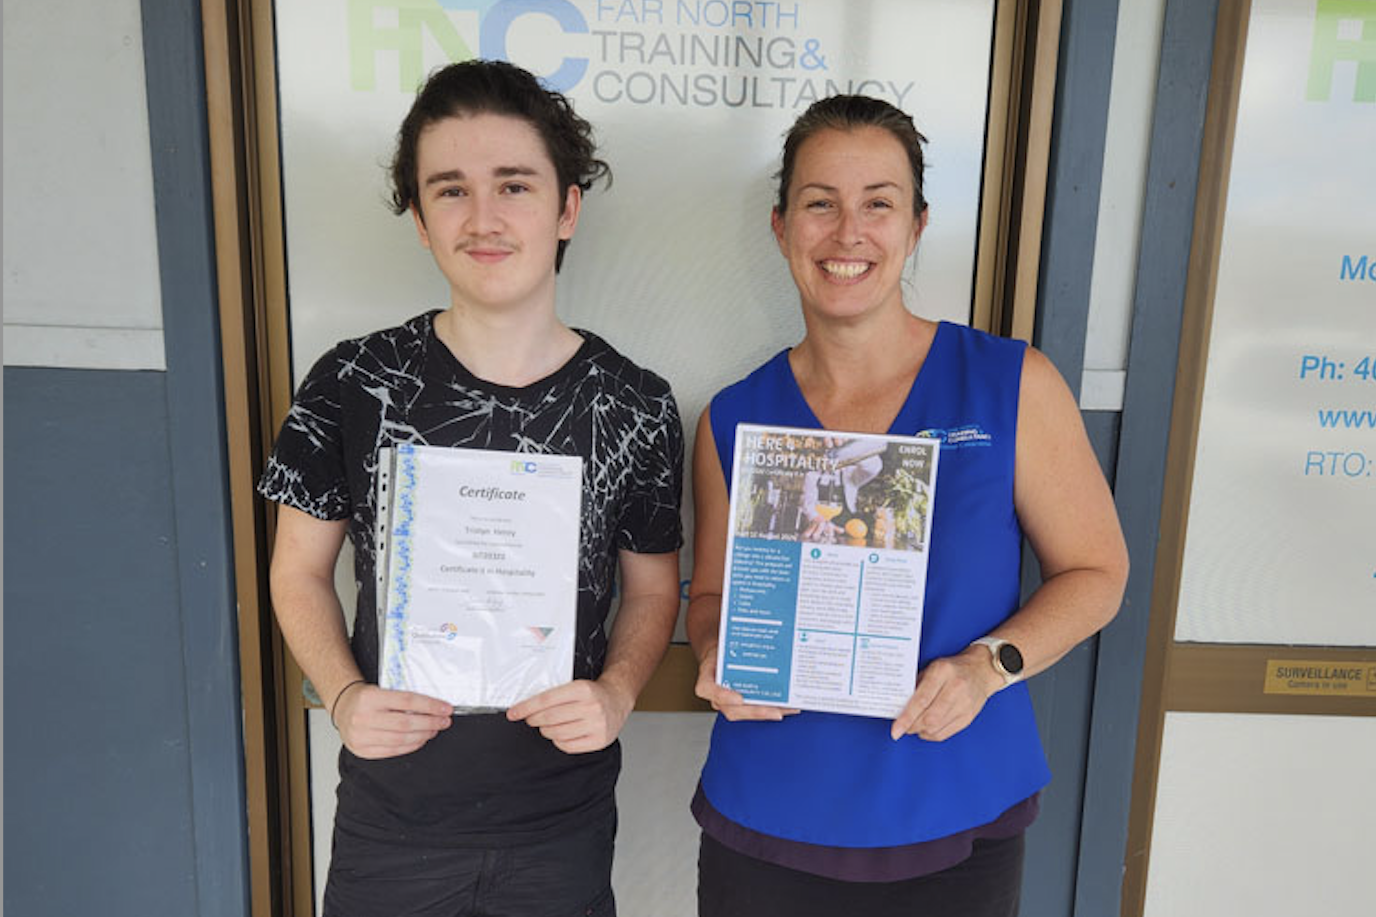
x: 404, y: 27
x: 1344, y: 33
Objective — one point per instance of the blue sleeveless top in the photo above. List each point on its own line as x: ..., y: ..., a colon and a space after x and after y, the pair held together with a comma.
x: 839, y: 780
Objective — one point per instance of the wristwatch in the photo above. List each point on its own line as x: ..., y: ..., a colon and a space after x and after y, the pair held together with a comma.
x: 1006, y: 657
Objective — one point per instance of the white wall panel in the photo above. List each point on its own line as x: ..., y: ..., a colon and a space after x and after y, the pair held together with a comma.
x: 78, y: 347
x: 656, y: 868
x: 1136, y: 55
x: 81, y: 283
x: 324, y: 769
x: 1267, y: 816
x: 1131, y: 101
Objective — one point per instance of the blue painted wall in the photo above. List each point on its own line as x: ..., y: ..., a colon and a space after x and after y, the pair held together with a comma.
x: 1063, y: 695
x: 1063, y: 698
x: 98, y: 816
x: 123, y: 781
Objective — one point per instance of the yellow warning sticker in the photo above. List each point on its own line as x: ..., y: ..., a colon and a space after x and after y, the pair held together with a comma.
x: 1298, y: 676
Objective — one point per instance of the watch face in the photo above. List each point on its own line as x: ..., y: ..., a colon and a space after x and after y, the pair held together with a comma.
x: 1010, y: 659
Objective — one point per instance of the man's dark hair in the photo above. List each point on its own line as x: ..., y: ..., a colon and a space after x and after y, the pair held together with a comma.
x: 497, y: 88
x: 847, y: 113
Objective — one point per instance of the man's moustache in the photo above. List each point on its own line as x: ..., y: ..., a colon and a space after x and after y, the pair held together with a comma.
x: 487, y: 245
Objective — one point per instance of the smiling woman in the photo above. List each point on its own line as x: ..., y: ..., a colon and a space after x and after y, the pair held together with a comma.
x: 849, y: 222
x: 817, y: 813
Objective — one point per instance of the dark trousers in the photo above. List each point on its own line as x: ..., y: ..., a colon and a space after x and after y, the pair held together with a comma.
x: 987, y: 884
x: 568, y: 876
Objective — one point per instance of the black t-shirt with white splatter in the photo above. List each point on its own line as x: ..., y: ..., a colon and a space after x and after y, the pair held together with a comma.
x: 483, y: 781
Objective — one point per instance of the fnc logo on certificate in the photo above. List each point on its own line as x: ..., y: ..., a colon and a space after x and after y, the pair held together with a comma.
x: 540, y: 469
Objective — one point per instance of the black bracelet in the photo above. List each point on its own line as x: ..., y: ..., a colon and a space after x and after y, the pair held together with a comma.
x: 356, y: 681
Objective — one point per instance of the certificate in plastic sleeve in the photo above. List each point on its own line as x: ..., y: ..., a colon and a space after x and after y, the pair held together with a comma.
x: 826, y: 568
x: 477, y: 573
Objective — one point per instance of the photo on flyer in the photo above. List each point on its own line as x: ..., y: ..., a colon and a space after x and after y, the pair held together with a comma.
x: 826, y: 568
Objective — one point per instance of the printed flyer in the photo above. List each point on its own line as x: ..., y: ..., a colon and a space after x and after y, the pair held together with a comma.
x: 826, y: 568
x: 477, y: 573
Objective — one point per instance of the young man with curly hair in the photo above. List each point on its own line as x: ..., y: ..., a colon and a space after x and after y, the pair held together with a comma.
x: 509, y: 813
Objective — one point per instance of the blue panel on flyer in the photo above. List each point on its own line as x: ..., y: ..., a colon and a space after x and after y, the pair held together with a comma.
x: 762, y: 605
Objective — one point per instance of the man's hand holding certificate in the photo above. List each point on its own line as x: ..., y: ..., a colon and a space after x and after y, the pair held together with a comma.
x: 377, y: 723
x: 578, y: 717
x: 826, y: 569
x: 478, y: 573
